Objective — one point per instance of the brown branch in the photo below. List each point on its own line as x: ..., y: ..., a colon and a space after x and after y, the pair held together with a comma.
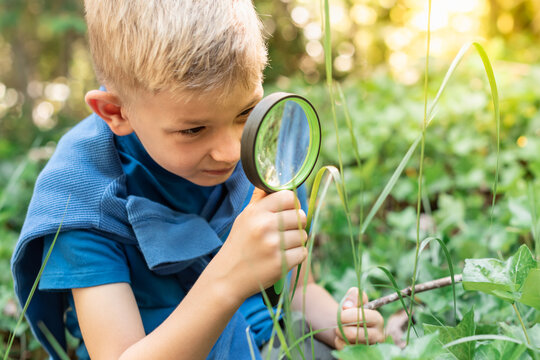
x: 430, y: 285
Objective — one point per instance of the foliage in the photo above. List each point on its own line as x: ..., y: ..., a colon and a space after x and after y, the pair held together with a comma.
x: 39, y: 60
x: 507, y: 280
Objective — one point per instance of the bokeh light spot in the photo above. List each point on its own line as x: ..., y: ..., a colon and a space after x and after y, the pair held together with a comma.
x: 522, y: 141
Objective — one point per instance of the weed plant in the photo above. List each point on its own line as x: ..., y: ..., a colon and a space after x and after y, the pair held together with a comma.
x: 444, y: 338
x: 429, y: 210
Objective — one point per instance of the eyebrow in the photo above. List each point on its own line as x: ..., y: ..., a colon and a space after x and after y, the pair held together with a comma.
x: 201, y: 122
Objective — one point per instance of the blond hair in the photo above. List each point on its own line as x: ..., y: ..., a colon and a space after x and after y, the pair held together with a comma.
x: 175, y: 45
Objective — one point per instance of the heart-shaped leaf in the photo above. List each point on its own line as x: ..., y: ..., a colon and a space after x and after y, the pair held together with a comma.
x: 504, y: 279
x: 447, y: 334
x: 530, y: 294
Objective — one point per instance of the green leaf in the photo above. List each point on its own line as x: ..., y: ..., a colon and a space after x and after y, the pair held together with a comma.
x: 504, y: 279
x: 516, y: 332
x: 466, y: 327
x: 499, y: 350
x: 531, y: 289
x: 365, y: 352
x: 426, y: 347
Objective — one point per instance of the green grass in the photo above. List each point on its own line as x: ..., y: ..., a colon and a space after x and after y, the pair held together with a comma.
x: 475, y: 210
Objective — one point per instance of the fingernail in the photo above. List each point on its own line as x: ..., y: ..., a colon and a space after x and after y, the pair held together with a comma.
x: 348, y: 304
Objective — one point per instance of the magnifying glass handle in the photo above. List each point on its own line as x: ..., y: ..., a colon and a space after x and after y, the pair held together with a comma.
x: 273, y: 297
x: 273, y: 292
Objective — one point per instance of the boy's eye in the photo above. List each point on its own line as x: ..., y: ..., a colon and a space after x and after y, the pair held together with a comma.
x: 192, y: 131
x: 246, y: 112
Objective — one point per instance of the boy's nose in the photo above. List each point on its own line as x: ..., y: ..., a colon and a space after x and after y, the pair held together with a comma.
x: 226, y: 148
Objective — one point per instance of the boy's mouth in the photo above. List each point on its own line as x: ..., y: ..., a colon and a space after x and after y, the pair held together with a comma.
x: 218, y: 172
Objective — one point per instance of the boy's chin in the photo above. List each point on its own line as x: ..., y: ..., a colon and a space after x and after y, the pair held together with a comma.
x: 211, y: 179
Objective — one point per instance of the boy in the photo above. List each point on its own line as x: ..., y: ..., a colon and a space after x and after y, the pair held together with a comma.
x: 164, y: 245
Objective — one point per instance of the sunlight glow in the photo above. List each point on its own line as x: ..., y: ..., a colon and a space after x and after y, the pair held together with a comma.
x: 57, y: 92
x: 300, y: 15
x: 42, y: 115
x: 314, y: 48
x: 11, y: 97
x: 313, y: 31
x: 363, y: 15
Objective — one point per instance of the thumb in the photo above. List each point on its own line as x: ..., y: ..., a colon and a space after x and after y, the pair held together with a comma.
x: 352, y: 298
x: 258, y: 194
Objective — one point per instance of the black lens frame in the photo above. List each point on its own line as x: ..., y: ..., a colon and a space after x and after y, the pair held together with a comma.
x: 251, y: 129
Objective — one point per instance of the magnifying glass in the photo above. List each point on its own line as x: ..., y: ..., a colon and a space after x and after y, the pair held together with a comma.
x: 281, y: 142
x: 280, y: 146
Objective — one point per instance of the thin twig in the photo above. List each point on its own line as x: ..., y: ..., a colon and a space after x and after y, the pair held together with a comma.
x: 430, y: 285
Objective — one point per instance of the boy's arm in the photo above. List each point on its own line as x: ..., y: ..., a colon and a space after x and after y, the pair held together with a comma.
x: 321, y: 313
x: 250, y: 258
x: 112, y: 327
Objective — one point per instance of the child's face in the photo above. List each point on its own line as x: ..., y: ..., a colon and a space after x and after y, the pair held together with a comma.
x: 197, y: 139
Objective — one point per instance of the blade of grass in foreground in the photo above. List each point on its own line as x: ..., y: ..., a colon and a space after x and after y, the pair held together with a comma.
x: 57, y: 347
x: 420, y: 172
x: 34, y: 286
x: 534, y: 221
x: 431, y: 115
x: 450, y: 267
x: 357, y: 258
x: 314, y: 206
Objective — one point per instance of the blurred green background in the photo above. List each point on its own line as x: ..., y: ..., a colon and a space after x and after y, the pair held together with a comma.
x: 378, y: 56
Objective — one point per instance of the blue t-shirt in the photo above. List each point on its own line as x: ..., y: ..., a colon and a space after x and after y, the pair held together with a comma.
x: 83, y: 258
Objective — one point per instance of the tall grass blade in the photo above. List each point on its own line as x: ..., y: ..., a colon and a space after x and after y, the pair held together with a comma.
x: 340, y: 323
x: 431, y: 115
x: 275, y: 319
x: 315, y: 202
x: 421, y: 169
x: 50, y: 337
x: 395, y: 287
x: 397, y: 290
x: 389, y: 186
x: 450, y: 267
x: 357, y: 258
x: 34, y: 286
x: 534, y: 221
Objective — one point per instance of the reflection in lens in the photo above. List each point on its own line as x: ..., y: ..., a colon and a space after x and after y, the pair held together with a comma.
x: 282, y: 143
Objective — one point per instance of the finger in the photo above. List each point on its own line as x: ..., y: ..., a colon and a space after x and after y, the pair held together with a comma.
x: 292, y: 238
x: 295, y: 256
x: 354, y: 315
x: 339, y: 344
x: 280, y: 201
x: 352, y: 299
x: 357, y: 335
x: 258, y: 194
x: 291, y: 219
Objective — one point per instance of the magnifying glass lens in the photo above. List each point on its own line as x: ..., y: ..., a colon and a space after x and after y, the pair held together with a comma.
x: 282, y: 143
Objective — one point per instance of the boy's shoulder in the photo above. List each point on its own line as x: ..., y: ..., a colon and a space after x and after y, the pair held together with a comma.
x: 84, y: 172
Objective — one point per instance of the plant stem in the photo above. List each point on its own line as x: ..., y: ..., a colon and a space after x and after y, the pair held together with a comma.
x: 534, y: 221
x: 420, y: 170
x: 429, y: 285
x: 522, y: 324
x: 357, y: 258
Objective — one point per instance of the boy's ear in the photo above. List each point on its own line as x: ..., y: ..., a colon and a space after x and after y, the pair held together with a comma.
x: 108, y: 107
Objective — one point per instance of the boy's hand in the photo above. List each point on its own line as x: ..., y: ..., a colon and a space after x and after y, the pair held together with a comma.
x: 262, y: 236
x: 353, y: 326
